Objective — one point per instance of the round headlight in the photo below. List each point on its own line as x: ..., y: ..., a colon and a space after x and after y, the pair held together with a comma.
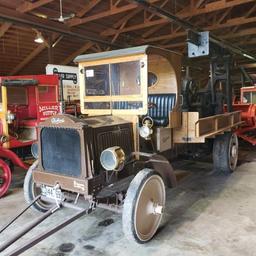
x: 112, y: 159
x: 145, y: 132
x: 10, y: 117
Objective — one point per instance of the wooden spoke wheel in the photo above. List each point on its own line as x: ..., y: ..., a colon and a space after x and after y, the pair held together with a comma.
x: 32, y: 190
x: 5, y: 177
x: 143, y: 206
x: 225, y: 152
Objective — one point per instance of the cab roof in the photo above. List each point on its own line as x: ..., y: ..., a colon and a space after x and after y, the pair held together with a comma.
x: 144, y: 49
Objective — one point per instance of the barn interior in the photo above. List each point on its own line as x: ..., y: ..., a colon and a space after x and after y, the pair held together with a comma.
x: 178, y: 72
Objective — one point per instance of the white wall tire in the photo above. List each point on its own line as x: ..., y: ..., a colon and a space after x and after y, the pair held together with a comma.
x: 143, y: 206
x: 31, y: 191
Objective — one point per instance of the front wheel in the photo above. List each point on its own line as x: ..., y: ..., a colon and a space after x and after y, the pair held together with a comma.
x: 225, y: 152
x: 5, y: 177
x: 32, y: 190
x: 143, y: 206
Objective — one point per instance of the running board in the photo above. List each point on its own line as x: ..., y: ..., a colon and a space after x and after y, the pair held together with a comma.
x: 22, y: 248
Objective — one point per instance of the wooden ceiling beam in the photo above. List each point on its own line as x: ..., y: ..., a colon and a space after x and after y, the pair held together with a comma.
x: 4, y: 28
x: 235, y: 29
x: 212, y: 7
x: 112, y: 11
x: 121, y: 23
x: 156, y: 28
x: 244, y: 32
x: 81, y: 50
x: 152, y: 15
x: 25, y: 61
x: 250, y: 11
x: 224, y: 15
x: 30, y: 57
x: 29, y: 6
x: 125, y: 19
x: 87, y: 7
x: 25, y: 7
x: 23, y: 19
x: 111, y: 32
x: 229, y: 23
x: 199, y: 3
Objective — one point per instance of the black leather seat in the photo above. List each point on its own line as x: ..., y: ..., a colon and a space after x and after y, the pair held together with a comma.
x: 127, y: 105
x: 162, y: 104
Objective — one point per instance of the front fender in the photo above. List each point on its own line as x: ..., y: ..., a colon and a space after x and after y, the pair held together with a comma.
x: 7, y: 153
x: 162, y: 166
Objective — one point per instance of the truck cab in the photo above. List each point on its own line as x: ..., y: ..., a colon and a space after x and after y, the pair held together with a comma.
x: 24, y: 102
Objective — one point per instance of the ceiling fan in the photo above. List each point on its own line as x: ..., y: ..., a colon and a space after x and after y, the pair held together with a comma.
x: 63, y: 18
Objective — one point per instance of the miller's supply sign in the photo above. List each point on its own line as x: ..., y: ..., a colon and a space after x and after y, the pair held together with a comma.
x: 69, y: 77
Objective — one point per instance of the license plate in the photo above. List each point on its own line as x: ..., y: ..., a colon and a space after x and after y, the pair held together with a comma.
x: 53, y: 193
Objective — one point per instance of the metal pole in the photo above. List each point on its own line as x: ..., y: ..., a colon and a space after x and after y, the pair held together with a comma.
x: 50, y: 50
x: 17, y: 216
x: 28, y: 228
x: 228, y: 84
x: 212, y: 80
x: 48, y: 233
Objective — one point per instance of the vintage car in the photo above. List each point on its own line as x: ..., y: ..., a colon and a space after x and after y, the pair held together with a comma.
x: 118, y: 157
x: 25, y: 101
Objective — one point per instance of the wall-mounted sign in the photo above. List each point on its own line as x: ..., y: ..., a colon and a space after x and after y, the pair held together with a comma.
x: 69, y: 77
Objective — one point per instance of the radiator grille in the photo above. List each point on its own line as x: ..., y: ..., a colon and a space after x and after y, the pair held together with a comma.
x: 61, y: 151
x: 121, y: 136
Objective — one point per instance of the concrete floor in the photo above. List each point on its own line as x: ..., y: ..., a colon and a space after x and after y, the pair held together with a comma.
x: 207, y: 214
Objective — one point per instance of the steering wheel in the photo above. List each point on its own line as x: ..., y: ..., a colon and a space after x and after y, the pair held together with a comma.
x: 152, y: 105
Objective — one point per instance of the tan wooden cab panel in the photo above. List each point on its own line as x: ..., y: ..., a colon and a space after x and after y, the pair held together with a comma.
x: 127, y: 71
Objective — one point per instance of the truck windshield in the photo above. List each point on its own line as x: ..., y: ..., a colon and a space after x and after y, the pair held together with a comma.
x: 114, y: 86
x: 249, y: 97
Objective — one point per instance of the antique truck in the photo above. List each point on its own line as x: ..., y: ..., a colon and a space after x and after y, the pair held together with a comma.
x: 247, y: 106
x: 25, y: 101
x: 118, y: 158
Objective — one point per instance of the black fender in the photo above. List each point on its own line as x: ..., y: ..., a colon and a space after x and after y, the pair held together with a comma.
x: 162, y: 166
x: 158, y: 163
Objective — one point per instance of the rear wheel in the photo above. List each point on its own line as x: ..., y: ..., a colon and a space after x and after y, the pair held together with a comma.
x: 143, y: 206
x: 5, y: 177
x: 225, y: 152
x: 32, y: 190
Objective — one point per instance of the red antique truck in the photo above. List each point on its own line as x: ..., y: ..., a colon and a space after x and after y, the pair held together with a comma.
x: 247, y: 106
x: 24, y: 102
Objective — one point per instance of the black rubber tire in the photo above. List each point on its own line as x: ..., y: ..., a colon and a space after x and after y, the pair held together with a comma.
x: 29, y: 191
x: 133, y: 192
x: 222, y: 148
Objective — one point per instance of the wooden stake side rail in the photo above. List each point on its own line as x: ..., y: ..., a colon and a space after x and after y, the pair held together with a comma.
x: 196, y: 130
x: 210, y: 126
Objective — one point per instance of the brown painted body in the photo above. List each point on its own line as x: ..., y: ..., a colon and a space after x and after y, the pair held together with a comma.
x: 95, y: 134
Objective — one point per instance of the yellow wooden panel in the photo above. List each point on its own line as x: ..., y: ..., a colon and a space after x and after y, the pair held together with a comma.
x: 111, y: 60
